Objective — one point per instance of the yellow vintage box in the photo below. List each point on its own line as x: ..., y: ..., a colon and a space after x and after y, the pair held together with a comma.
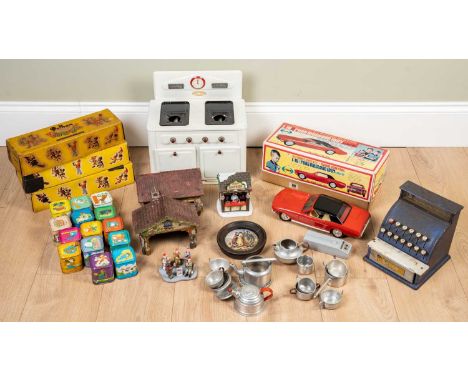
x: 102, y: 181
x: 80, y: 167
x: 64, y: 142
x: 317, y: 162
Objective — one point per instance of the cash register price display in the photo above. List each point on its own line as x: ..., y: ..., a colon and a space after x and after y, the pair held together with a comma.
x: 415, y: 236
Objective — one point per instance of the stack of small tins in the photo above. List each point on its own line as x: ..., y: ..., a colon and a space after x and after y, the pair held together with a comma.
x: 118, y: 239
x: 69, y: 250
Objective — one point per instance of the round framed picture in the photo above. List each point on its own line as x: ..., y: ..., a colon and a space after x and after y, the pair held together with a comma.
x: 241, y: 239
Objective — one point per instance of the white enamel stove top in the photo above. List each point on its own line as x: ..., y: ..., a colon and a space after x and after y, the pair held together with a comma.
x: 198, y: 119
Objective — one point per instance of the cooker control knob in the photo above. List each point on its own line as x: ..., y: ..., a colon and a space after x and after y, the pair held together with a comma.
x: 173, y: 140
x: 416, y: 248
x: 404, y: 228
x: 389, y: 234
x: 396, y: 237
x: 418, y: 235
x: 411, y: 231
x: 189, y: 139
x: 205, y: 139
x: 391, y: 220
x: 424, y: 238
x: 409, y: 245
x: 382, y: 229
x: 402, y: 241
x: 398, y: 224
x: 221, y: 139
x: 423, y: 252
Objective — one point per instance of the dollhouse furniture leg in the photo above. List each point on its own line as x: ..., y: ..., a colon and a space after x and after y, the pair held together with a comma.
x: 145, y: 247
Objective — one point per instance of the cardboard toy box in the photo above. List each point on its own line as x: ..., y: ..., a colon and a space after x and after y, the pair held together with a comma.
x: 102, y: 181
x: 316, y: 162
x: 81, y: 167
x: 65, y: 142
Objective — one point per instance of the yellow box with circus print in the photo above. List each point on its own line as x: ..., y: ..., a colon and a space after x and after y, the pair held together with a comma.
x: 307, y: 159
x: 88, y: 165
x: 106, y: 180
x: 64, y: 142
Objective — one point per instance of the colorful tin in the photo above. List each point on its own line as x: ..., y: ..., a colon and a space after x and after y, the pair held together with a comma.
x: 80, y: 202
x: 91, y: 228
x: 104, y: 212
x: 82, y: 216
x: 64, y: 142
x: 78, y: 168
x: 91, y: 245
x: 106, y: 180
x: 102, y: 268
x: 100, y: 199
x: 125, y: 262
x: 60, y: 207
x: 112, y: 225
x: 58, y: 223
x: 70, y: 257
x: 118, y: 238
x: 69, y: 235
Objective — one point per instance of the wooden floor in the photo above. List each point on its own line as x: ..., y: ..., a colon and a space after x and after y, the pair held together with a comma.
x: 32, y: 287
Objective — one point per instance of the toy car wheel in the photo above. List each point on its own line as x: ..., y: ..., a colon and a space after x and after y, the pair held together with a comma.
x: 330, y: 152
x: 332, y: 185
x: 289, y: 143
x: 337, y: 233
x: 302, y: 176
x: 284, y: 217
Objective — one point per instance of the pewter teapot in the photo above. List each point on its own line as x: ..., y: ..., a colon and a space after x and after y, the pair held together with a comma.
x: 256, y: 271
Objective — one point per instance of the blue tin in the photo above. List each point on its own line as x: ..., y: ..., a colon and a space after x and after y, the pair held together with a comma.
x: 125, y: 262
x: 84, y: 215
x: 80, y: 202
x: 119, y: 238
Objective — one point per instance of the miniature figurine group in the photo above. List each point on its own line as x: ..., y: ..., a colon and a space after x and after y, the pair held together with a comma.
x: 177, y: 267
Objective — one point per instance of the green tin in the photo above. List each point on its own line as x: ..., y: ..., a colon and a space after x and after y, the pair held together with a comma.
x: 104, y: 212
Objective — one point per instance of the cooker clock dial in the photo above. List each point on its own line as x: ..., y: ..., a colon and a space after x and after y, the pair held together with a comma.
x: 197, y: 82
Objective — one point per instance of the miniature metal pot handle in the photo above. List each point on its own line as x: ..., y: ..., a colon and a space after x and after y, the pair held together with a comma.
x: 320, y: 289
x: 304, y: 245
x: 266, y: 289
x: 293, y: 291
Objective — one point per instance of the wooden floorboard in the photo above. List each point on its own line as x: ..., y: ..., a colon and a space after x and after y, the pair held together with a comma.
x: 32, y: 287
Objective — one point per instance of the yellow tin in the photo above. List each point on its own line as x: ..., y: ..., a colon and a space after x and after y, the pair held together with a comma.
x: 78, y: 168
x: 64, y: 142
x: 91, y: 228
x: 60, y: 207
x: 103, y: 181
x: 70, y: 257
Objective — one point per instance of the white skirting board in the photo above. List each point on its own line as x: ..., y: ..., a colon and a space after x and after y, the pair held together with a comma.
x: 391, y: 124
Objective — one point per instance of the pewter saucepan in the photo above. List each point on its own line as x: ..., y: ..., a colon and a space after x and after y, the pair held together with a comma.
x: 305, y: 289
x: 336, y: 273
x: 330, y: 299
x: 287, y: 250
x: 218, y: 263
x: 215, y: 279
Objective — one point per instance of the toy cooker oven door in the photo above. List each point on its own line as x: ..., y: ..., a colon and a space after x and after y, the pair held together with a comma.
x: 174, y: 158
x: 218, y: 159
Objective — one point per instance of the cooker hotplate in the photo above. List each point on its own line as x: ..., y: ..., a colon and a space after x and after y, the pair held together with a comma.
x: 174, y: 114
x: 219, y: 113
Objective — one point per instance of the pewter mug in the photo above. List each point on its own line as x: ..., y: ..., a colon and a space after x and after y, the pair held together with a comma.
x: 330, y: 299
x: 305, y: 265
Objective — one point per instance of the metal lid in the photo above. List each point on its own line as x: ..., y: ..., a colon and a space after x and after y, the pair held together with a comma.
x: 250, y: 294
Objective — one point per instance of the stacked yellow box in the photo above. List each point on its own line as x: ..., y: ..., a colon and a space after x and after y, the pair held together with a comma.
x: 73, y: 158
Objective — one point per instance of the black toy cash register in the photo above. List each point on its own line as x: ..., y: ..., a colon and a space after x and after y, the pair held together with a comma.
x: 415, y: 236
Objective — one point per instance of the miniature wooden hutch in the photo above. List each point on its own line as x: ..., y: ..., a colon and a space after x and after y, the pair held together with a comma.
x: 185, y: 185
x: 163, y: 215
x: 234, y: 192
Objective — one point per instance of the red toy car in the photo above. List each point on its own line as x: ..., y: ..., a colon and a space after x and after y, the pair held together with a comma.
x: 321, y: 177
x: 311, y: 143
x: 356, y: 188
x: 321, y: 212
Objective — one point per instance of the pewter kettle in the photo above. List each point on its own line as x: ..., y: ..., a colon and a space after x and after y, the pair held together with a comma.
x: 255, y: 270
